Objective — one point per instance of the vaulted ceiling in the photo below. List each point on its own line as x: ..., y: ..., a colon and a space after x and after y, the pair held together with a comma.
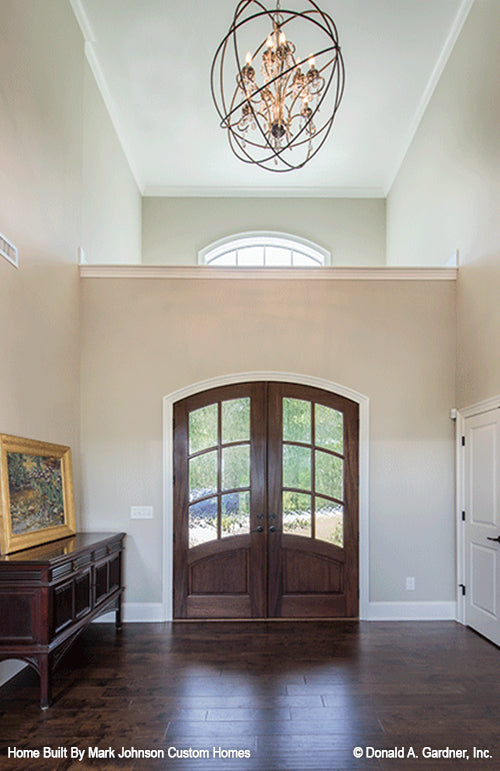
x: 152, y: 61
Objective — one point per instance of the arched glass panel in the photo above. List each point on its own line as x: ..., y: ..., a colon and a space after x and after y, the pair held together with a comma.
x: 264, y: 250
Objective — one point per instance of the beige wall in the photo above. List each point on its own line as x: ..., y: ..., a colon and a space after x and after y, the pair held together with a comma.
x: 392, y: 341
x: 41, y: 61
x: 447, y: 197
x: 112, y: 202
x: 175, y: 229
x: 44, y: 183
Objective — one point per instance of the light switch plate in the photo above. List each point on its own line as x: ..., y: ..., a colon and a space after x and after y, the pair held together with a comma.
x: 141, y: 512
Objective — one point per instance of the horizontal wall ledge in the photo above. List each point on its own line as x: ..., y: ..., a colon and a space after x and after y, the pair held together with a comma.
x: 301, y: 274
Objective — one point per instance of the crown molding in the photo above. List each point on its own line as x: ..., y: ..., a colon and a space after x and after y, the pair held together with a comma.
x: 449, y: 44
x: 165, y: 191
x: 303, y: 274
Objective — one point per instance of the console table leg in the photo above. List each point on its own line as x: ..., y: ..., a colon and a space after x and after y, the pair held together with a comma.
x: 118, y: 617
x: 45, y: 682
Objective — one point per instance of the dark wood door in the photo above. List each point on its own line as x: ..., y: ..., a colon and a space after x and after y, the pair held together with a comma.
x: 265, y: 503
x: 220, y: 503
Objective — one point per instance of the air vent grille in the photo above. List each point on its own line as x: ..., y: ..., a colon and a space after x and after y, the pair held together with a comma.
x: 8, y: 250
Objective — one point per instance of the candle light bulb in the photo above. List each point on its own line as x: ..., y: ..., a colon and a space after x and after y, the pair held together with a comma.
x: 248, y: 58
x: 312, y: 61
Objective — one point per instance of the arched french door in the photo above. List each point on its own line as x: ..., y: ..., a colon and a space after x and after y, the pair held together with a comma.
x: 265, y: 503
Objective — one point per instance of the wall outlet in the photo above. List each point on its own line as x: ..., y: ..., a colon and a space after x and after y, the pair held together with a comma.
x: 141, y: 512
x: 410, y: 584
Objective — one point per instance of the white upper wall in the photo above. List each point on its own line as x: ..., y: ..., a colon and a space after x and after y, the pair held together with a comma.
x: 41, y: 87
x: 447, y: 196
x: 111, y: 214
x: 175, y: 229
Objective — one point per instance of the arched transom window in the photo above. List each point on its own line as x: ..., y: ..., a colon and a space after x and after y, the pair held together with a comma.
x: 273, y: 250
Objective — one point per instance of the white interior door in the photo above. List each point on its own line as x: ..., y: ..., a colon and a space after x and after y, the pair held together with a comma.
x: 482, y: 523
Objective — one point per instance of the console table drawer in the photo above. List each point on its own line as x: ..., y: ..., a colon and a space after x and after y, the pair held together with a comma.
x: 19, y: 611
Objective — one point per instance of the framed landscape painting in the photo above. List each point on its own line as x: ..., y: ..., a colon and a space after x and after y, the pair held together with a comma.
x: 36, y: 484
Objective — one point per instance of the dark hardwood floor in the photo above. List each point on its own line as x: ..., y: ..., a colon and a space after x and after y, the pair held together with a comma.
x: 296, y: 695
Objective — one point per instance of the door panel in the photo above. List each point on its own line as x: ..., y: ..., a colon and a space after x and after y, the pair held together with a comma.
x: 313, y: 503
x: 482, y: 528
x: 219, y: 500
x: 266, y: 503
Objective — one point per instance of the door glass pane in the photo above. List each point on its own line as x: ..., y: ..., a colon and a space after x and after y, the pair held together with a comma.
x: 329, y: 426
x: 329, y: 522
x: 203, y: 475
x: 329, y: 475
x: 236, y: 420
x: 203, y: 428
x: 203, y: 522
x: 235, y: 514
x: 296, y: 467
x: 235, y: 467
x: 297, y: 513
x: 296, y: 421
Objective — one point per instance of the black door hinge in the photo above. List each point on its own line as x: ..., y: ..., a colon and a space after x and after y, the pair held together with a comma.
x: 463, y: 441
x: 463, y: 516
x: 462, y: 586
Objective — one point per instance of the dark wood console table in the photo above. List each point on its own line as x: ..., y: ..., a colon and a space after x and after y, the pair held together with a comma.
x: 50, y: 593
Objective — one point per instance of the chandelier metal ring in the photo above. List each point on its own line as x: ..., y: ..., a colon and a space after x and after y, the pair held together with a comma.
x: 276, y: 124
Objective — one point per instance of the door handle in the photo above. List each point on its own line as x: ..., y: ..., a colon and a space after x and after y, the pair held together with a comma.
x: 259, y: 529
x: 497, y: 539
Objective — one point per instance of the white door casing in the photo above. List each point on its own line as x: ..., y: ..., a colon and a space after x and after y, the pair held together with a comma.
x: 480, y: 514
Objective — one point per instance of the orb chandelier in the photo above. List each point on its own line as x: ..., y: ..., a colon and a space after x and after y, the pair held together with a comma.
x: 275, y: 104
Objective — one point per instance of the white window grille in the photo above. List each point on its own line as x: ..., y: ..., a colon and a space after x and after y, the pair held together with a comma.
x: 264, y: 250
x: 8, y: 250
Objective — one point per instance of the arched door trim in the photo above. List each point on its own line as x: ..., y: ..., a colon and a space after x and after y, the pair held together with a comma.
x: 287, y: 377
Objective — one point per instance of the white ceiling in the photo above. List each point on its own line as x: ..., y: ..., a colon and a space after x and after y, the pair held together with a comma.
x: 152, y: 61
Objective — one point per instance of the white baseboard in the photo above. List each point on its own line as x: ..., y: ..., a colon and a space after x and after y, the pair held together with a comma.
x: 136, y: 613
x: 9, y: 669
x: 151, y: 612
x: 412, y: 611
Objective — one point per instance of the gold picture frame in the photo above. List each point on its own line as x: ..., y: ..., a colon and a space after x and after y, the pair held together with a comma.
x: 36, y: 486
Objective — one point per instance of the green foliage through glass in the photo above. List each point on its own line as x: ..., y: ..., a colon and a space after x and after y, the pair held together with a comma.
x: 203, y: 428
x: 296, y: 421
x: 235, y: 514
x: 329, y: 428
x: 329, y: 522
x: 236, y: 420
x: 297, y: 515
x: 203, y: 475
